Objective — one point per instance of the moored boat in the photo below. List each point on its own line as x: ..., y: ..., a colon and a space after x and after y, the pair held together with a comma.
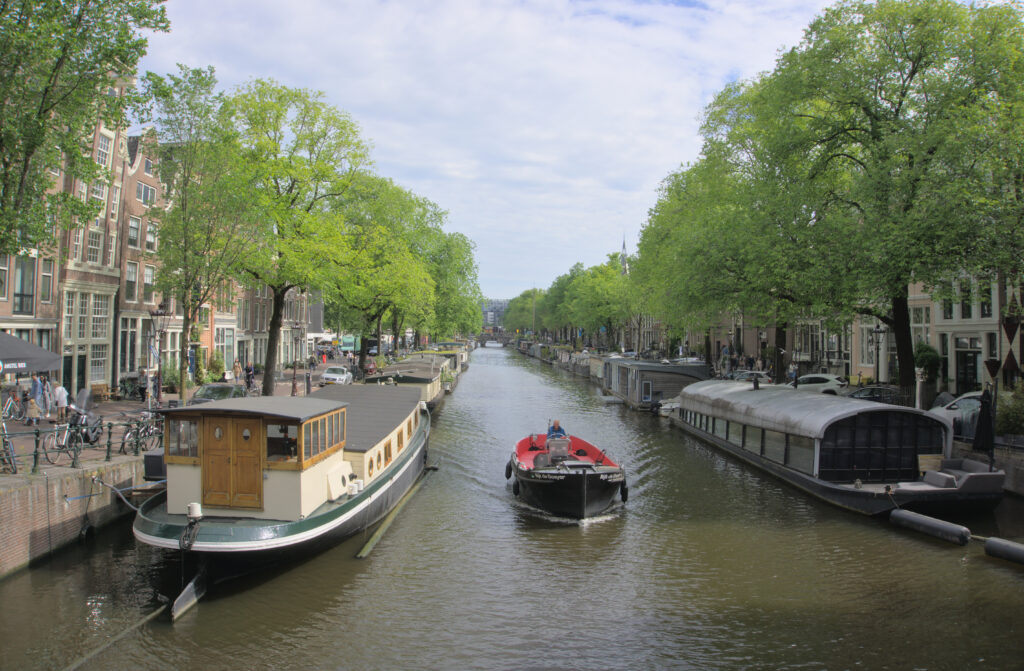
x: 565, y: 475
x: 860, y: 455
x: 252, y: 476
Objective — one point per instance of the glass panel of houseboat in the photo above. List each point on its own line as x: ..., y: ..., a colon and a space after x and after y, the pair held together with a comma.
x: 755, y: 436
x: 184, y: 438
x: 315, y: 430
x: 736, y: 434
x: 801, y: 453
x: 721, y: 427
x: 330, y: 431
x: 306, y: 434
x: 323, y: 434
x: 775, y: 445
x: 341, y: 425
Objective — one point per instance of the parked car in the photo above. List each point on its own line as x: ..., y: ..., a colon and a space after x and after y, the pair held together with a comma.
x: 880, y: 393
x: 820, y: 382
x: 336, y: 375
x: 217, y: 391
x: 962, y: 411
x: 749, y: 375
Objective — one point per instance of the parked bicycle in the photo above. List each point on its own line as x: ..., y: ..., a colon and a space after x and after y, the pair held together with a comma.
x: 130, y: 389
x: 147, y: 430
x: 13, y: 407
x: 256, y: 389
x: 8, y: 459
x: 62, y: 442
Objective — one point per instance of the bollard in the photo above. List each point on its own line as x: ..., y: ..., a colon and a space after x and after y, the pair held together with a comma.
x: 35, y: 455
x: 110, y: 441
x: 76, y: 445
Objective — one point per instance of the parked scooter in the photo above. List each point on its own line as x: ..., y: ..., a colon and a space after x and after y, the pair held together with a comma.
x: 84, y: 419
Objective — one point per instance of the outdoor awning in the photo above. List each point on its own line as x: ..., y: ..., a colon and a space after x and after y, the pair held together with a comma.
x: 18, y: 356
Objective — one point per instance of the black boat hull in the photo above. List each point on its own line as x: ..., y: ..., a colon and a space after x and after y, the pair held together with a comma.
x: 569, y: 492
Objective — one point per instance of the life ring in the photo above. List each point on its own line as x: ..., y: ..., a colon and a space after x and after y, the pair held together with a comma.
x: 624, y: 491
x: 515, y: 487
x: 508, y: 470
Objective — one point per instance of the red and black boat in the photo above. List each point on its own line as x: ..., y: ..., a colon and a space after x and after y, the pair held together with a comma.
x: 565, y: 475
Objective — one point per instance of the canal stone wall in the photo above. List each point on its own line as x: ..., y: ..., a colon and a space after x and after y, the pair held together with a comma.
x: 43, y: 512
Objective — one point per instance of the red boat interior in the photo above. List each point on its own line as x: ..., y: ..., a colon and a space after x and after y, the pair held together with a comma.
x: 536, y: 445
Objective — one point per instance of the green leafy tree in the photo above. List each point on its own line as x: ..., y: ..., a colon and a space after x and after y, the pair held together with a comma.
x: 303, y: 156
x: 58, y: 61
x: 208, y: 228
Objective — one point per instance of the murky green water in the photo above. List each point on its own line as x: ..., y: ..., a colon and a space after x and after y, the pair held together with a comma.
x: 710, y: 565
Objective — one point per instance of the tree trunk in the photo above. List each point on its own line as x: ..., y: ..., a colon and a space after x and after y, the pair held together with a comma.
x: 779, y: 354
x: 900, y: 325
x: 186, y: 339
x: 273, y: 340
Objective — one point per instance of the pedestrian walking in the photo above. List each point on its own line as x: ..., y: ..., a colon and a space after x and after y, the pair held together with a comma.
x: 60, y: 399
x: 236, y: 370
x: 47, y: 396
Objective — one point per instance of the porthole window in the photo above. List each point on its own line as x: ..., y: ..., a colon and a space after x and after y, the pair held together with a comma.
x: 246, y: 435
x: 218, y: 433
x: 378, y: 460
x: 370, y: 467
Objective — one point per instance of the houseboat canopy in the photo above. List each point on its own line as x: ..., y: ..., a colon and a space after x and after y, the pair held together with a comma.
x: 784, y: 409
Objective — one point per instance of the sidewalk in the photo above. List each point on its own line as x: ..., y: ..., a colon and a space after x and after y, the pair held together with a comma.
x: 116, y: 413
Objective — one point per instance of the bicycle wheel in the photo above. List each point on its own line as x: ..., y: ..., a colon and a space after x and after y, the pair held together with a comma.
x: 8, y: 457
x: 50, y: 450
x: 128, y: 441
x: 18, y: 413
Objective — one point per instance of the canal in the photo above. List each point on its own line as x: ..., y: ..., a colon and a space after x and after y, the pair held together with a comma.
x: 710, y: 565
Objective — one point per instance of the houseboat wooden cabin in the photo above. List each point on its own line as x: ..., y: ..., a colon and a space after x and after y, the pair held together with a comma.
x: 642, y: 384
x: 254, y: 475
x: 864, y: 456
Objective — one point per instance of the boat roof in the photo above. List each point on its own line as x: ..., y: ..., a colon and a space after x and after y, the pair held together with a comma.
x: 408, y: 370
x: 298, y: 408
x: 781, y: 408
x: 374, y: 411
x: 694, y: 369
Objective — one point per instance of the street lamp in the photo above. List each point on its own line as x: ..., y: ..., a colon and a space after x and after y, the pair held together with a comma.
x: 878, y: 332
x: 298, y: 338
x: 159, y: 317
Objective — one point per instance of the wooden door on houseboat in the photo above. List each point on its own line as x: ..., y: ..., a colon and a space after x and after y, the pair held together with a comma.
x: 232, y: 462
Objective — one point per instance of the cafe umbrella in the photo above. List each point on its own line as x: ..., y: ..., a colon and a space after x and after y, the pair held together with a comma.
x: 18, y: 356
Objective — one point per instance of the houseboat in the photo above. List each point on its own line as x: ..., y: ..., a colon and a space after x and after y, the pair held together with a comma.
x: 642, y: 385
x: 427, y: 375
x: 860, y: 455
x: 254, y: 476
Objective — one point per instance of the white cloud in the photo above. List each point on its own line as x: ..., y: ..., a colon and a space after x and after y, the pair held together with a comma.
x: 542, y: 126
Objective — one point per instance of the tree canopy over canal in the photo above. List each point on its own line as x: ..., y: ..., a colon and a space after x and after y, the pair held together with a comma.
x: 884, y: 150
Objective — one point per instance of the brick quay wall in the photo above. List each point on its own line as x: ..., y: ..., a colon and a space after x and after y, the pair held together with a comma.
x: 41, y: 513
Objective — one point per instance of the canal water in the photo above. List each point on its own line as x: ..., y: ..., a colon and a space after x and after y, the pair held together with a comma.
x: 710, y: 565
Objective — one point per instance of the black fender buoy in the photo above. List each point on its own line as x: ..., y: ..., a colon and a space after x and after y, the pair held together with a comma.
x: 947, y: 531
x: 1004, y: 549
x: 515, y: 487
x: 508, y: 470
x: 624, y: 491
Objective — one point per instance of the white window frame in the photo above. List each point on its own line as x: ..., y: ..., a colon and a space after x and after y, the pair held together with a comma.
x: 131, y: 282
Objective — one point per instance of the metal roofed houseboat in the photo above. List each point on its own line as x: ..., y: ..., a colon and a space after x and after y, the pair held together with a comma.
x: 644, y: 384
x: 860, y: 455
x: 565, y: 475
x: 264, y: 474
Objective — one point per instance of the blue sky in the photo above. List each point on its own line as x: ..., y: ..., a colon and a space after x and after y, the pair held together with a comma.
x: 543, y: 127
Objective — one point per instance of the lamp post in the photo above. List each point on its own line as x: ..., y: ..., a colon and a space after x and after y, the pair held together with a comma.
x: 878, y: 332
x: 159, y: 317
